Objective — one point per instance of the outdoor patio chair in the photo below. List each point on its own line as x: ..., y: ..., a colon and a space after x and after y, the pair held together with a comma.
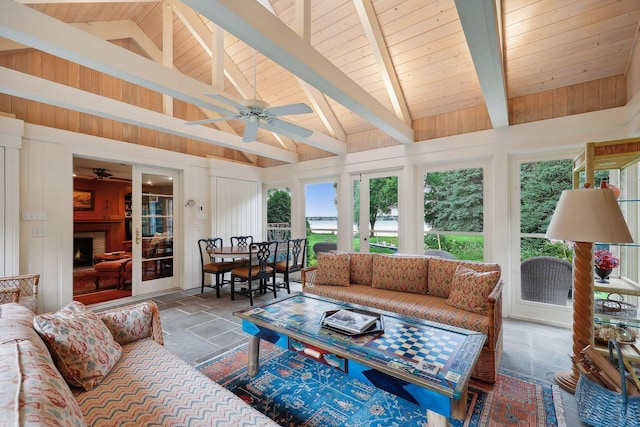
x: 324, y: 247
x: 546, y: 279
x: 439, y: 253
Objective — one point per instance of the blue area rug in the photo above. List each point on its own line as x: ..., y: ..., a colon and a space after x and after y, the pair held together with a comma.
x: 295, y: 390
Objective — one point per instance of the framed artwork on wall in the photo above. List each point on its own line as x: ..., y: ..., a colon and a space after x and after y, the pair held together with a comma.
x: 82, y: 200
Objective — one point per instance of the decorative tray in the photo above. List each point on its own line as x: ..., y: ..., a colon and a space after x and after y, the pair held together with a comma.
x: 604, y: 332
x: 378, y: 326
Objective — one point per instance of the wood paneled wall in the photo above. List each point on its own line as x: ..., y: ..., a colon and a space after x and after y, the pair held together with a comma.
x: 52, y: 68
x: 595, y: 95
x: 579, y: 98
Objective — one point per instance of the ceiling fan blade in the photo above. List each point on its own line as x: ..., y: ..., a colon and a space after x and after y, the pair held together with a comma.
x: 251, y: 131
x: 225, y: 100
x: 216, y: 119
x: 290, y: 127
x: 287, y: 110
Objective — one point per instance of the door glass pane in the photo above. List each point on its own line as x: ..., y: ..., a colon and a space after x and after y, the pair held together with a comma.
x: 321, y: 212
x: 157, y: 227
x: 356, y: 215
x: 383, y: 214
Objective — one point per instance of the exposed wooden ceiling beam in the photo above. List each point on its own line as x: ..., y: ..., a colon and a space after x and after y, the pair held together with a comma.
x: 253, y: 24
x: 320, y: 104
x: 37, y: 89
x: 202, y: 33
x: 107, y: 30
x: 481, y: 28
x: 374, y: 35
x: 32, y: 28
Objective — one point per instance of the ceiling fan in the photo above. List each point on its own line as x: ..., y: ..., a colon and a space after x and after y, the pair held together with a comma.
x: 101, y: 173
x: 258, y: 114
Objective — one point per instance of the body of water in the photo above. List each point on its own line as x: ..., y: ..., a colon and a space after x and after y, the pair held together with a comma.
x: 382, y: 228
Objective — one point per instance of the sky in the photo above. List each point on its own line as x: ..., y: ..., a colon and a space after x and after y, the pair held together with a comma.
x: 320, y: 200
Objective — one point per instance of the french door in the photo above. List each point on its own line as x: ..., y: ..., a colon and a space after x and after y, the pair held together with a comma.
x: 155, y: 264
x: 374, y: 212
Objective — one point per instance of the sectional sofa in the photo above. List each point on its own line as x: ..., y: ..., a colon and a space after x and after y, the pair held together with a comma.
x: 454, y: 292
x: 76, y: 368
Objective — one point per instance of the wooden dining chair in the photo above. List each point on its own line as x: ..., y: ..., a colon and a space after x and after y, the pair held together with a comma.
x: 241, y: 241
x: 211, y: 265
x: 295, y: 259
x: 259, y: 268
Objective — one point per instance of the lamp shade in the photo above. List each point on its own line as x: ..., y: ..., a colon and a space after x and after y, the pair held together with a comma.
x: 589, y: 215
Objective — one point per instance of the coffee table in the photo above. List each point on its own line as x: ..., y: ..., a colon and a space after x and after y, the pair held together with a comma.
x: 398, y: 359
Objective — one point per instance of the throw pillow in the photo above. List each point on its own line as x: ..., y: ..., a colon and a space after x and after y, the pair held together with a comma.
x: 333, y: 269
x: 470, y: 289
x: 361, y: 268
x: 441, y: 273
x: 398, y: 273
x: 131, y: 323
x: 81, y: 346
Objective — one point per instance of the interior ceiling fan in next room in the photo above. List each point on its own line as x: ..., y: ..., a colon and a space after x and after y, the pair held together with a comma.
x: 258, y: 114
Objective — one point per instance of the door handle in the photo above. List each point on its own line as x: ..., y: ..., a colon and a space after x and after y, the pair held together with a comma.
x: 137, y: 236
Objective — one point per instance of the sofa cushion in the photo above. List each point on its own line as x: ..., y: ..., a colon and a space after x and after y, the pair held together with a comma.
x: 333, y: 269
x: 361, y: 268
x: 81, y: 345
x: 160, y: 389
x: 470, y: 289
x: 33, y: 392
x: 396, y: 273
x: 441, y: 272
x: 425, y: 307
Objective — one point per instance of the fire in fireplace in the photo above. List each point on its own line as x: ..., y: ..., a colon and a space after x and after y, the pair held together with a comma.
x: 82, y: 251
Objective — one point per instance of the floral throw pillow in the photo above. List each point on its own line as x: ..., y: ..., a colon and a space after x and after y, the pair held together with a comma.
x: 333, y: 269
x: 80, y: 344
x: 470, y: 289
x: 128, y: 324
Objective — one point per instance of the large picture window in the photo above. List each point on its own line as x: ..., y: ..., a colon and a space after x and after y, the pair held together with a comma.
x: 454, y: 212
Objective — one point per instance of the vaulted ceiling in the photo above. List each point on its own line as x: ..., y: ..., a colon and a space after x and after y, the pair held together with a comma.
x: 370, y: 69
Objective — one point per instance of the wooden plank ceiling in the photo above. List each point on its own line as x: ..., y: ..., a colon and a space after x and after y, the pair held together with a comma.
x: 370, y: 69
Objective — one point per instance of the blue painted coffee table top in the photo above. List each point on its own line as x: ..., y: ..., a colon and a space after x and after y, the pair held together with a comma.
x: 408, y: 348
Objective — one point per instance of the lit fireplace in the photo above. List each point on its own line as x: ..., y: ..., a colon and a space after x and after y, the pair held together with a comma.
x: 82, y: 251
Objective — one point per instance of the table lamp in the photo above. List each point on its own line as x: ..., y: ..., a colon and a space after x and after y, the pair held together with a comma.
x: 585, y: 216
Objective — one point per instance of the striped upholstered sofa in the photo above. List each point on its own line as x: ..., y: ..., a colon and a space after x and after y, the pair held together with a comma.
x: 453, y: 292
x: 119, y: 371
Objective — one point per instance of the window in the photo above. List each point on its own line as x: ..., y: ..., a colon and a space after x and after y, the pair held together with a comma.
x: 279, y: 214
x: 454, y: 212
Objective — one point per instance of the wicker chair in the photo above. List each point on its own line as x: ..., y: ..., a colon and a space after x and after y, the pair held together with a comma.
x: 439, y: 253
x: 546, y: 279
x: 324, y: 247
x: 28, y: 285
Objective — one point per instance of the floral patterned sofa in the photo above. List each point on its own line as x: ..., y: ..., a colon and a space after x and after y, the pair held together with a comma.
x: 76, y: 368
x: 453, y: 292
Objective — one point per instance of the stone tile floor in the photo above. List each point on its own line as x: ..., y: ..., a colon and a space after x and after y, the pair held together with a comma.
x: 199, y: 326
